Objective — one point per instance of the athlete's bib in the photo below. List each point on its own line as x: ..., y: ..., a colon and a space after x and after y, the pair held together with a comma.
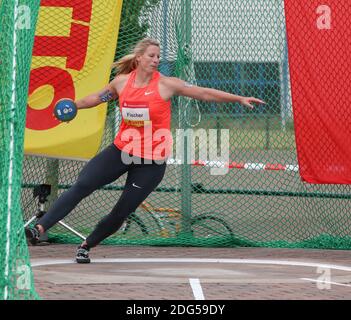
x: 136, y: 114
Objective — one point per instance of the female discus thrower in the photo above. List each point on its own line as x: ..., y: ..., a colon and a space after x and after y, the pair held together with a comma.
x: 141, y: 146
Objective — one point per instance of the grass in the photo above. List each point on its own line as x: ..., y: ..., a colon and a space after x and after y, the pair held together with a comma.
x: 248, y: 133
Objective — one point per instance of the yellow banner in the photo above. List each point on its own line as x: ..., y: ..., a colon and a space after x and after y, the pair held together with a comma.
x: 74, y: 48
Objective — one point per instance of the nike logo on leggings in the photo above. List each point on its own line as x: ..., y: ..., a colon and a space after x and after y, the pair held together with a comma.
x: 134, y: 185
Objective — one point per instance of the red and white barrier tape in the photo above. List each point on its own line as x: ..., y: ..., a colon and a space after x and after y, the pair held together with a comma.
x: 241, y: 165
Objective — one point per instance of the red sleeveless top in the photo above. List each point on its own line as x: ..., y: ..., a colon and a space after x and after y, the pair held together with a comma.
x: 145, y: 130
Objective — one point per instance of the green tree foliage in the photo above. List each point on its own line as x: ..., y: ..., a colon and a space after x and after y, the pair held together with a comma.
x: 132, y: 27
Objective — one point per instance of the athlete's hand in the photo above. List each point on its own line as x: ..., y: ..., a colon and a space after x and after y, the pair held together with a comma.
x: 247, y: 101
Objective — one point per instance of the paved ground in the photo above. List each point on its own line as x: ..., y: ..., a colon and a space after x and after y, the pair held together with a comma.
x: 173, y: 273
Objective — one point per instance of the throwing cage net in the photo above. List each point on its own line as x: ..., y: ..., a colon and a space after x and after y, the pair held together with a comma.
x: 17, y: 28
x: 239, y: 47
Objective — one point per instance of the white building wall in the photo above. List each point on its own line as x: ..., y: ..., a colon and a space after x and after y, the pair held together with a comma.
x: 238, y: 30
x: 227, y: 30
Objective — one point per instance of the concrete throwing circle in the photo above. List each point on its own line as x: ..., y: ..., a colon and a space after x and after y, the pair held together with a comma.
x: 180, y: 270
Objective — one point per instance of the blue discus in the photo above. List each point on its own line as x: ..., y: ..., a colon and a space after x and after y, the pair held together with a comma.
x: 65, y: 110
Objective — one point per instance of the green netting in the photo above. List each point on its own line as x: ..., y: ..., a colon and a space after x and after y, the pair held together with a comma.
x: 17, y: 28
x: 236, y: 46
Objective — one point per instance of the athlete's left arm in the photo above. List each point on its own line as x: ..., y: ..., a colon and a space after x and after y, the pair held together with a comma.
x: 182, y: 88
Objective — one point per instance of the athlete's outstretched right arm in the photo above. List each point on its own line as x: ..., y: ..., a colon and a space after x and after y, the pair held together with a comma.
x: 175, y: 86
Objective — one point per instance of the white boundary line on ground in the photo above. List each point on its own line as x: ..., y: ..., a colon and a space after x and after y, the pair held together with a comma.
x: 46, y: 262
x: 197, y: 289
x: 195, y: 283
x: 326, y: 282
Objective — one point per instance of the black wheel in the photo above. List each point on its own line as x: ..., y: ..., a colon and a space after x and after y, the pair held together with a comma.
x: 208, y: 225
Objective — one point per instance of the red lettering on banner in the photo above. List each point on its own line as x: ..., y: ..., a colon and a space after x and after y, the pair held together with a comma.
x: 62, y: 83
x: 81, y: 8
x: 73, y: 47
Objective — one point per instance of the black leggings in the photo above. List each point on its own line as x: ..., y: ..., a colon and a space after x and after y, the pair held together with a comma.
x: 103, y: 169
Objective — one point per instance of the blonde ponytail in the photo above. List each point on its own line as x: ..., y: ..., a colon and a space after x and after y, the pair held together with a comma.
x: 126, y: 64
x: 129, y: 63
